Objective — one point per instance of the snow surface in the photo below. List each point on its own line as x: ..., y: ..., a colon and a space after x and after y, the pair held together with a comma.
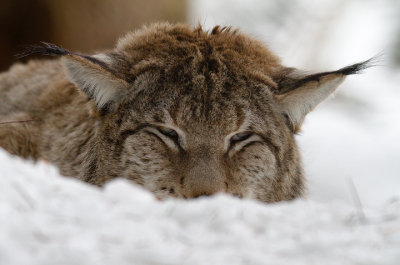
x: 46, y: 219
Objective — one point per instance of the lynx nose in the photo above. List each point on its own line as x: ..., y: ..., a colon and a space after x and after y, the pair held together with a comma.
x: 195, y: 191
x: 203, y: 179
x: 194, y: 195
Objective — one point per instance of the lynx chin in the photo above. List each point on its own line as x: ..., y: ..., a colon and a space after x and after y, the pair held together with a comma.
x: 183, y: 112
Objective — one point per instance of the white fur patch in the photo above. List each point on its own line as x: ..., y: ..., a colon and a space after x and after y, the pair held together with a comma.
x: 302, y: 100
x: 99, y: 84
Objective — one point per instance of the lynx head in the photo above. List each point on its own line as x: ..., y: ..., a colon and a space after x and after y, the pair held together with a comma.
x: 187, y: 113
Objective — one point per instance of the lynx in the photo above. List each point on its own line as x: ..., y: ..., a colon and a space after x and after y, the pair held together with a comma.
x: 183, y: 112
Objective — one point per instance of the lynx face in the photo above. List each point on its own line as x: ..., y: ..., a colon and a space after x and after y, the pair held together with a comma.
x: 186, y: 113
x: 207, y: 136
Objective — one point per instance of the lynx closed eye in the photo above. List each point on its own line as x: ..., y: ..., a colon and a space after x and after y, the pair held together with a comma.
x: 171, y: 133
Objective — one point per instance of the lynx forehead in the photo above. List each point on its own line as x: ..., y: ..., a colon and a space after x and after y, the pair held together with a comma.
x: 183, y: 112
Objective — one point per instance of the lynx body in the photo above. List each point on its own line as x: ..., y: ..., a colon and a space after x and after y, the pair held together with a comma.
x: 183, y: 112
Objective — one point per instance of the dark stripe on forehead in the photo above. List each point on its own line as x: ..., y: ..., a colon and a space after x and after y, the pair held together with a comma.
x: 206, y: 67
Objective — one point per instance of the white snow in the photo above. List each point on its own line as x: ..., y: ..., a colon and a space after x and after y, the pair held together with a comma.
x: 46, y: 219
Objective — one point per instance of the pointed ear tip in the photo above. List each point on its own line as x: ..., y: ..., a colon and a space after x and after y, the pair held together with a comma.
x: 334, y: 77
x: 70, y: 58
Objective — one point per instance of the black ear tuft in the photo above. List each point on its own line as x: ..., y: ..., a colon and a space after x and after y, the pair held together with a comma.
x: 44, y: 49
x: 348, y: 70
x: 357, y: 68
x: 288, y: 84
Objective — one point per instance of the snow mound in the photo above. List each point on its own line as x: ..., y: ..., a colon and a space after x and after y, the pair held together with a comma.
x: 48, y: 219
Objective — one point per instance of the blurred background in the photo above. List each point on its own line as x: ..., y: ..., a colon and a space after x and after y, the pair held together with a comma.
x: 79, y: 25
x: 354, y: 138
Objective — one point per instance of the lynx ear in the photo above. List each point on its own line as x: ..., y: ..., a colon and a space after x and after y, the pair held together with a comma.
x: 298, y: 94
x: 92, y: 74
